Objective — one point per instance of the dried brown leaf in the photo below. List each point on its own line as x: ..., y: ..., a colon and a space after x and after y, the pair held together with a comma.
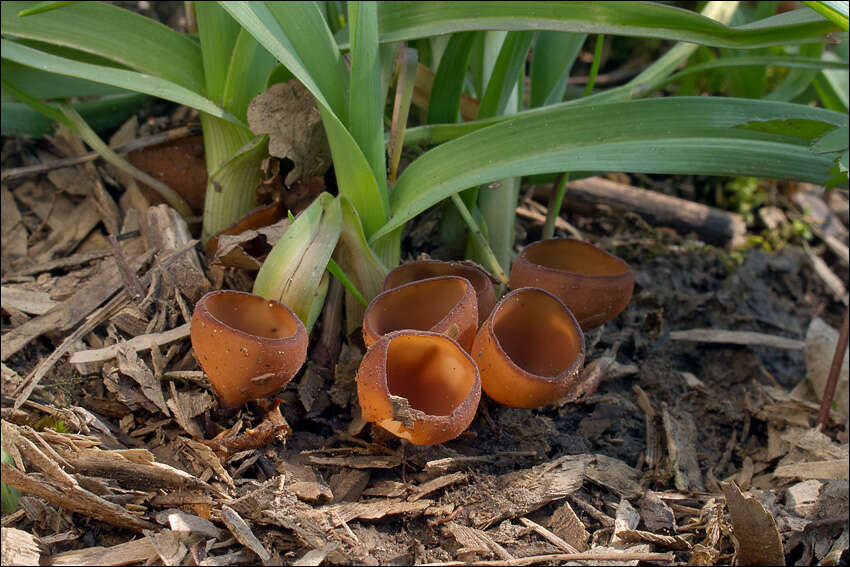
x: 755, y: 529
x: 288, y: 114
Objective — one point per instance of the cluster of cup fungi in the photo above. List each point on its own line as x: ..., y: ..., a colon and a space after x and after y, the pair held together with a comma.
x: 436, y: 336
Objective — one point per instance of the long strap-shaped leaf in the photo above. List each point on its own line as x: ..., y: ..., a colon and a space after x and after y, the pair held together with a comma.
x: 354, y: 175
x: 130, y: 80
x: 694, y: 135
x: 120, y: 35
x: 401, y: 21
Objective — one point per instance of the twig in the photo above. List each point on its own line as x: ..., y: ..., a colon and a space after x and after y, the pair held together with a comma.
x: 142, y: 342
x: 621, y: 557
x: 834, y: 371
x: 154, y: 140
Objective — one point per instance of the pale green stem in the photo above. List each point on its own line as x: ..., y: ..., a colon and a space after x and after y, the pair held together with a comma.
x: 555, y: 205
x: 490, y: 260
x: 594, y: 67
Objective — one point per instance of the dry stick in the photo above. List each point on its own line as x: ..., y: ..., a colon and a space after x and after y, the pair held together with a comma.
x: 834, y: 370
x: 154, y: 140
x: 564, y: 557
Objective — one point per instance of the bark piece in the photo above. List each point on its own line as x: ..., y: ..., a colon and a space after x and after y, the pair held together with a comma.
x: 168, y: 546
x: 181, y: 522
x: 565, y: 524
x: 349, y: 484
x: 755, y: 529
x: 518, y: 493
x: 131, y: 365
x: 837, y: 469
x: 436, y: 484
x: 13, y: 233
x: 821, y: 341
x: 136, y: 552
x: 75, y: 499
x: 165, y: 231
x: 681, y: 445
x: 242, y: 532
x: 18, y: 547
x: 28, y: 301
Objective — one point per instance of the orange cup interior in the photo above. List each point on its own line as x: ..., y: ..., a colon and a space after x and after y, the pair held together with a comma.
x: 419, y: 385
x: 530, y: 351
x: 594, y: 284
x: 248, y: 346
x: 424, y: 269
x: 434, y: 304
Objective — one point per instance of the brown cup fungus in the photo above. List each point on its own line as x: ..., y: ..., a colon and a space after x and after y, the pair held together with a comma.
x: 595, y: 285
x: 443, y: 305
x: 419, y: 385
x: 530, y: 351
x: 248, y: 346
x: 423, y: 269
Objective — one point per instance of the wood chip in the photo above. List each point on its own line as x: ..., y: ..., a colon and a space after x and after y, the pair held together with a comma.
x: 374, y: 509
x: 619, y: 557
x: 184, y: 406
x: 315, y: 556
x: 357, y: 461
x: 209, y: 458
x: 837, y: 469
x: 181, y: 522
x: 74, y: 499
x: 476, y: 541
x: 28, y: 301
x: 242, y: 532
x: 435, y: 484
x: 565, y: 524
x: 736, y: 338
x: 139, y: 343
x: 18, y: 547
x: 140, y: 551
x: 521, y: 492
x: 549, y: 536
x: 131, y: 365
x: 754, y: 528
x: 681, y: 445
x: 833, y: 282
x: 168, y: 546
x: 613, y: 474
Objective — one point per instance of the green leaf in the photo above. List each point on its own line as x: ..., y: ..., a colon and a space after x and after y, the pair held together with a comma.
x: 49, y: 85
x: 408, y: 59
x: 354, y: 174
x: 799, y: 79
x: 366, y: 101
x: 117, y: 34
x: 217, y: 31
x: 106, y: 113
x: 129, y: 80
x: 795, y: 127
x: 294, y: 268
x: 249, y: 69
x: 833, y: 141
x: 42, y: 7
x: 552, y: 60
x: 444, y: 102
x: 365, y: 270
x: 402, y: 21
x: 832, y: 84
x: 694, y: 135
x: 836, y: 12
x: 510, y: 64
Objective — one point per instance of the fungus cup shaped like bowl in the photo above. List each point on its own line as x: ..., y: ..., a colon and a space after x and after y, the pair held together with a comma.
x: 434, y: 304
x: 248, y: 346
x: 419, y: 385
x: 594, y: 284
x: 530, y: 351
x: 424, y: 269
